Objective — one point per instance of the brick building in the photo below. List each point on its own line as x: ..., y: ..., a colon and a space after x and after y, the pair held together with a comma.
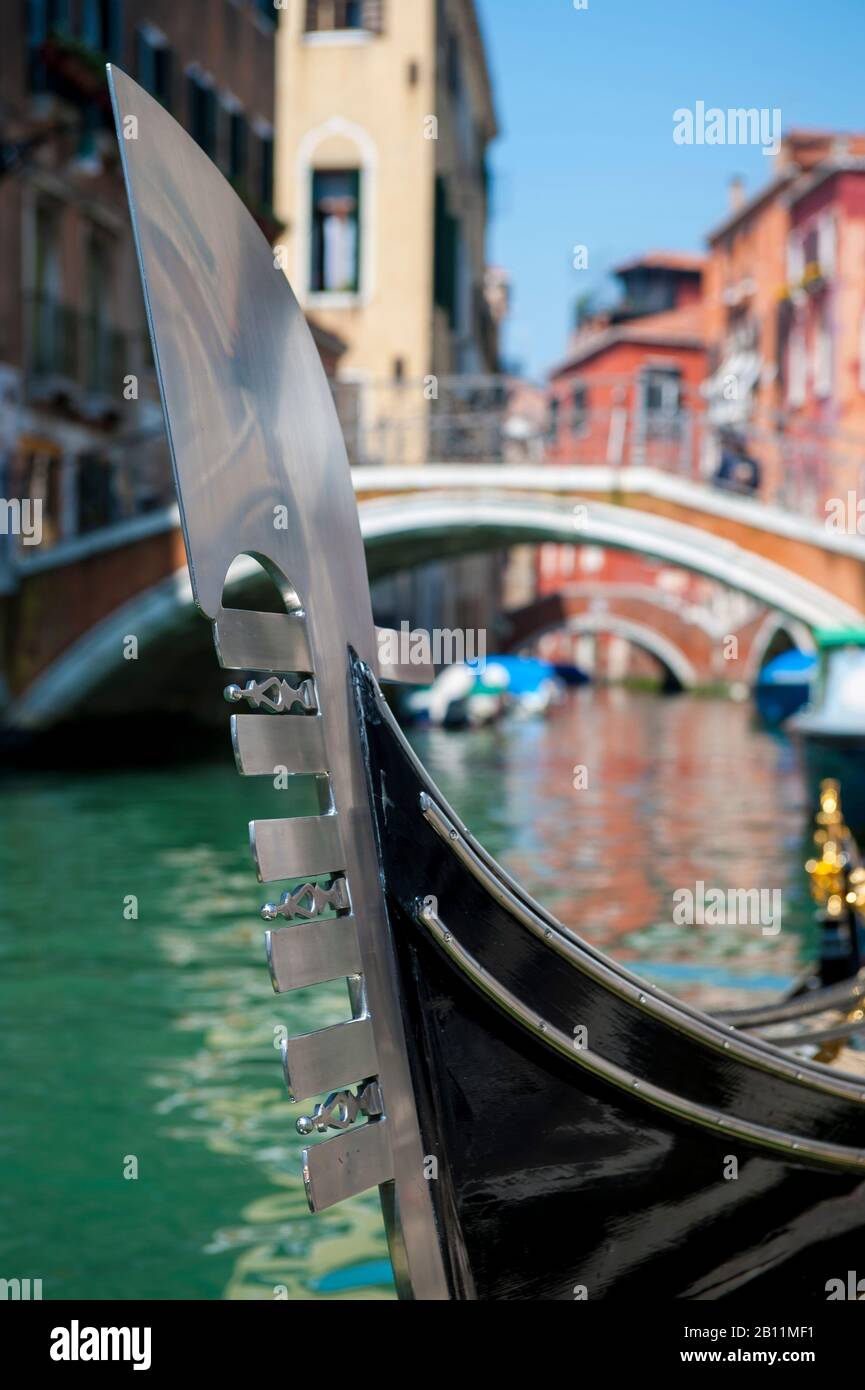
x: 627, y: 391
x: 822, y: 332
x: 385, y: 113
x: 778, y: 289
x: 80, y: 423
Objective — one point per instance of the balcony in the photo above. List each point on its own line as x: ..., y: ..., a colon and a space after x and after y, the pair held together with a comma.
x: 459, y: 419
x: 75, y: 357
x: 70, y: 69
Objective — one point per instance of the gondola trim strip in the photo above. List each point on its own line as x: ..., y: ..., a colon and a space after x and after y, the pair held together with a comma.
x: 759, y: 1053
x: 688, y: 1110
x: 542, y: 922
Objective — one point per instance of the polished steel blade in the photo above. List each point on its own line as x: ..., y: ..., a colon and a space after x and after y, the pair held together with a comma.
x: 261, y: 469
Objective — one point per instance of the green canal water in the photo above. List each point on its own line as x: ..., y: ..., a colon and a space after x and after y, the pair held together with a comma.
x: 148, y: 1042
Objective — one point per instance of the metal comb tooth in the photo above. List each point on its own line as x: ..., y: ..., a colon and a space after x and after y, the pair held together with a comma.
x: 308, y: 902
x: 276, y: 695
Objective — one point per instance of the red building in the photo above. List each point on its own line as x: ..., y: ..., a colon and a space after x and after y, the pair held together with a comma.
x: 822, y: 340
x: 784, y: 300
x: 628, y: 391
x: 628, y: 394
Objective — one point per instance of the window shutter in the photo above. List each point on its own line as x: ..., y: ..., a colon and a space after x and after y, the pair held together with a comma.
x: 143, y: 55
x: 114, y: 31
x: 373, y: 16
x: 164, y: 60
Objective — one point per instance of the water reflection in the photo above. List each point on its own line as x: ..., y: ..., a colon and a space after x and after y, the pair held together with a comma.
x: 153, y: 1036
x: 674, y: 792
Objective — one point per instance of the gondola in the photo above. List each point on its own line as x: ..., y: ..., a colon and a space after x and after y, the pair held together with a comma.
x: 540, y: 1123
x: 831, y: 992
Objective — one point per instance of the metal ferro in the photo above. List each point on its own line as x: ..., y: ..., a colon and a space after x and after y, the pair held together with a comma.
x: 261, y: 470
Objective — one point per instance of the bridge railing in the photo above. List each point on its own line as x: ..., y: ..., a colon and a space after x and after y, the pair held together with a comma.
x: 796, y: 465
x: 73, y: 353
x: 442, y: 419
x: 80, y: 492
x: 465, y: 420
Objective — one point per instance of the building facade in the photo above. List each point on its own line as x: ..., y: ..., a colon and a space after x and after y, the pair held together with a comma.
x: 384, y: 117
x: 628, y: 395
x: 822, y: 335
x: 782, y: 370
x: 385, y: 113
x: 81, y: 423
x: 629, y: 390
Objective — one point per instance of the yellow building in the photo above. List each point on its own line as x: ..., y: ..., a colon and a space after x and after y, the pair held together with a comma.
x: 384, y: 115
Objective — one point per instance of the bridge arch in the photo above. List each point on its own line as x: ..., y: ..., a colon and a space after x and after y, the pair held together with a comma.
x: 401, y: 531
x: 672, y: 657
x: 165, y: 621
x: 774, y: 625
x: 416, y: 527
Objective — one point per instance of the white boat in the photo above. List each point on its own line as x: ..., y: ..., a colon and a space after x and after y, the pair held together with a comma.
x: 831, y: 728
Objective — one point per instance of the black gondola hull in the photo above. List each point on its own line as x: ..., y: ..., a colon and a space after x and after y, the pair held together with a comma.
x: 583, y: 1141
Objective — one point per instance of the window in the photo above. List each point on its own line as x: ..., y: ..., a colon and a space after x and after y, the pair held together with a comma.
x: 661, y: 391
x: 97, y: 504
x: 265, y: 175
x: 35, y: 473
x: 795, y: 260
x: 153, y: 60
x: 202, y: 110
x: 238, y: 148
x: 335, y: 231
x: 662, y: 402
x: 797, y: 379
x: 46, y: 17
x: 100, y: 26
x: 553, y: 421
x: 445, y: 273
x: 822, y: 359
x: 99, y: 365
x: 52, y: 327
x: 826, y: 244
x: 337, y: 16
x: 454, y: 71
x: 579, y: 409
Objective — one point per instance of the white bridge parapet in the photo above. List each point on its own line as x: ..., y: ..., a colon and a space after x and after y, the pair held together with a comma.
x: 603, y: 480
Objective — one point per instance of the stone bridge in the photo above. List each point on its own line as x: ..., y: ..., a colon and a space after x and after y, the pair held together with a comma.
x: 66, y: 612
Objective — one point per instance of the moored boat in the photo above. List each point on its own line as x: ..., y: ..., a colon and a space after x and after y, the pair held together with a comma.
x: 474, y: 695
x: 784, y: 685
x: 831, y: 730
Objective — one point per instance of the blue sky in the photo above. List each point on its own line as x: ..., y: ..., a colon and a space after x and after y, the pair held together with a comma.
x: 586, y: 156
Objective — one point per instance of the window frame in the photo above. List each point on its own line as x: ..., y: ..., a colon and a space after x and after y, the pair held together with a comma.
x: 200, y: 87
x: 579, y: 416
x: 371, y: 22
x: 153, y: 44
x: 317, y: 290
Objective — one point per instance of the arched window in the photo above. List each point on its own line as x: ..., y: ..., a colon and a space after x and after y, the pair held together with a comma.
x: 336, y: 165
x: 336, y: 15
